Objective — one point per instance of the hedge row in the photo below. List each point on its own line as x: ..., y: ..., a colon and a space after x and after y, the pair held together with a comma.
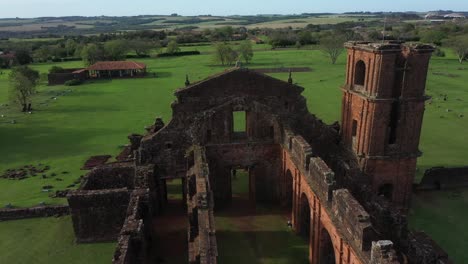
x: 178, y: 54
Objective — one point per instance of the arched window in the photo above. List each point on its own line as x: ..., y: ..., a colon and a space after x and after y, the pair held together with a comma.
x: 360, y: 73
x: 289, y: 190
x: 326, y: 253
x: 305, y: 218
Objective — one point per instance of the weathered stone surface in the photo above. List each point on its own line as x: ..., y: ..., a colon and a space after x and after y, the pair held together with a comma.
x: 332, y: 177
x: 33, y: 212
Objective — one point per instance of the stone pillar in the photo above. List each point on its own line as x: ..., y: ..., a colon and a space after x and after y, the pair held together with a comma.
x: 382, y: 252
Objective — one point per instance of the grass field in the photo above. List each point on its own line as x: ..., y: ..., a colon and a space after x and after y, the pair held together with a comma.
x: 95, y: 118
x: 48, y: 240
x: 256, y: 234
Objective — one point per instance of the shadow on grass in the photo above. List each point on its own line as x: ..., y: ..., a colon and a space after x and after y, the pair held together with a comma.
x: 163, y: 74
x: 46, y: 142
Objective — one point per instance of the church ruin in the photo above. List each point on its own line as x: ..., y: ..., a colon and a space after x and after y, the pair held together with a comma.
x: 349, y: 187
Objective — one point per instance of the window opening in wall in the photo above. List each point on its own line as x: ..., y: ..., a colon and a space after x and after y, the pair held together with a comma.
x: 386, y: 190
x: 360, y: 73
x: 393, y: 125
x: 354, y: 128
x: 272, y: 132
x: 239, y: 119
x: 208, y: 135
x: 240, y: 183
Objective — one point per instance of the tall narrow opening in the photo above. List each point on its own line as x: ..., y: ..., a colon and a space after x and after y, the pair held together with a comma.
x: 174, y: 215
x: 305, y: 218
x: 360, y: 73
x: 354, y: 132
x: 393, y: 124
x: 326, y: 252
x: 288, y: 201
x: 402, y: 67
x: 239, y: 121
x: 208, y: 135
x: 354, y: 129
x: 240, y: 184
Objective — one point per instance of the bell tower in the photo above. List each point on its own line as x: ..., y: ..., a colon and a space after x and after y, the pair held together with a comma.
x: 382, y: 112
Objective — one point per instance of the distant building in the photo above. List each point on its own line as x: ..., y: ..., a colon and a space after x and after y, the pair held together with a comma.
x: 7, y: 59
x: 434, y: 15
x: 116, y: 69
x: 455, y: 16
x: 102, y: 69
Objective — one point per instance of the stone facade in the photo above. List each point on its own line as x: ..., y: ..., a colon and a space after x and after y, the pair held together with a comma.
x: 330, y: 177
x: 383, y: 106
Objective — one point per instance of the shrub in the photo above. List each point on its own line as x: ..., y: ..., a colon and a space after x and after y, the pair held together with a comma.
x: 56, y: 69
x: 439, y: 53
x: 73, y: 82
x: 177, y: 54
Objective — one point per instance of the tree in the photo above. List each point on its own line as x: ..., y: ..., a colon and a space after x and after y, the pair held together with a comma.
x: 224, y: 54
x: 56, y: 69
x: 43, y: 53
x: 245, y: 51
x: 91, y: 53
x: 141, y: 47
x: 32, y: 75
x: 459, y: 45
x: 23, y: 56
x: 305, y: 37
x: 116, y: 49
x: 22, y: 82
x: 433, y: 36
x: 70, y: 47
x: 172, y: 47
x: 332, y: 46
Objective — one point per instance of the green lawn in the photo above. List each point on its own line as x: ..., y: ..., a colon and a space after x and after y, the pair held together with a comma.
x: 48, y: 240
x: 256, y: 234
x: 96, y: 118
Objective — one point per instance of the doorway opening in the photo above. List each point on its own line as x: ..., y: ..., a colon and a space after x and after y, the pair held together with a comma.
x: 326, y: 253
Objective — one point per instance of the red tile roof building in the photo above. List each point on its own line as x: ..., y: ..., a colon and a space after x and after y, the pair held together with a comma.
x: 110, y: 69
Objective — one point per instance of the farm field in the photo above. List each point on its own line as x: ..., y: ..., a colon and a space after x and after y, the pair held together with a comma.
x: 92, y: 25
x: 96, y: 117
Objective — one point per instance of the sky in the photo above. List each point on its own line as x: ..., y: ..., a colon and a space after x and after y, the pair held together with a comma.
x: 38, y: 8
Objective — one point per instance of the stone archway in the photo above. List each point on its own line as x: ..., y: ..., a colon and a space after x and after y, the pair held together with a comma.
x: 304, y: 218
x: 326, y: 250
x: 288, y: 190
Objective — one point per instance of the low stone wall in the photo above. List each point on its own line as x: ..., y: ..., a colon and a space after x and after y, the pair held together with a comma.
x: 33, y: 212
x: 110, y: 176
x: 202, y: 242
x: 134, y: 241
x: 98, y: 216
x: 439, y: 178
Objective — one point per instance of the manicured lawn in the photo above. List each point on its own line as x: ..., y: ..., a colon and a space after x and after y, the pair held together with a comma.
x: 95, y: 118
x: 48, y: 240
